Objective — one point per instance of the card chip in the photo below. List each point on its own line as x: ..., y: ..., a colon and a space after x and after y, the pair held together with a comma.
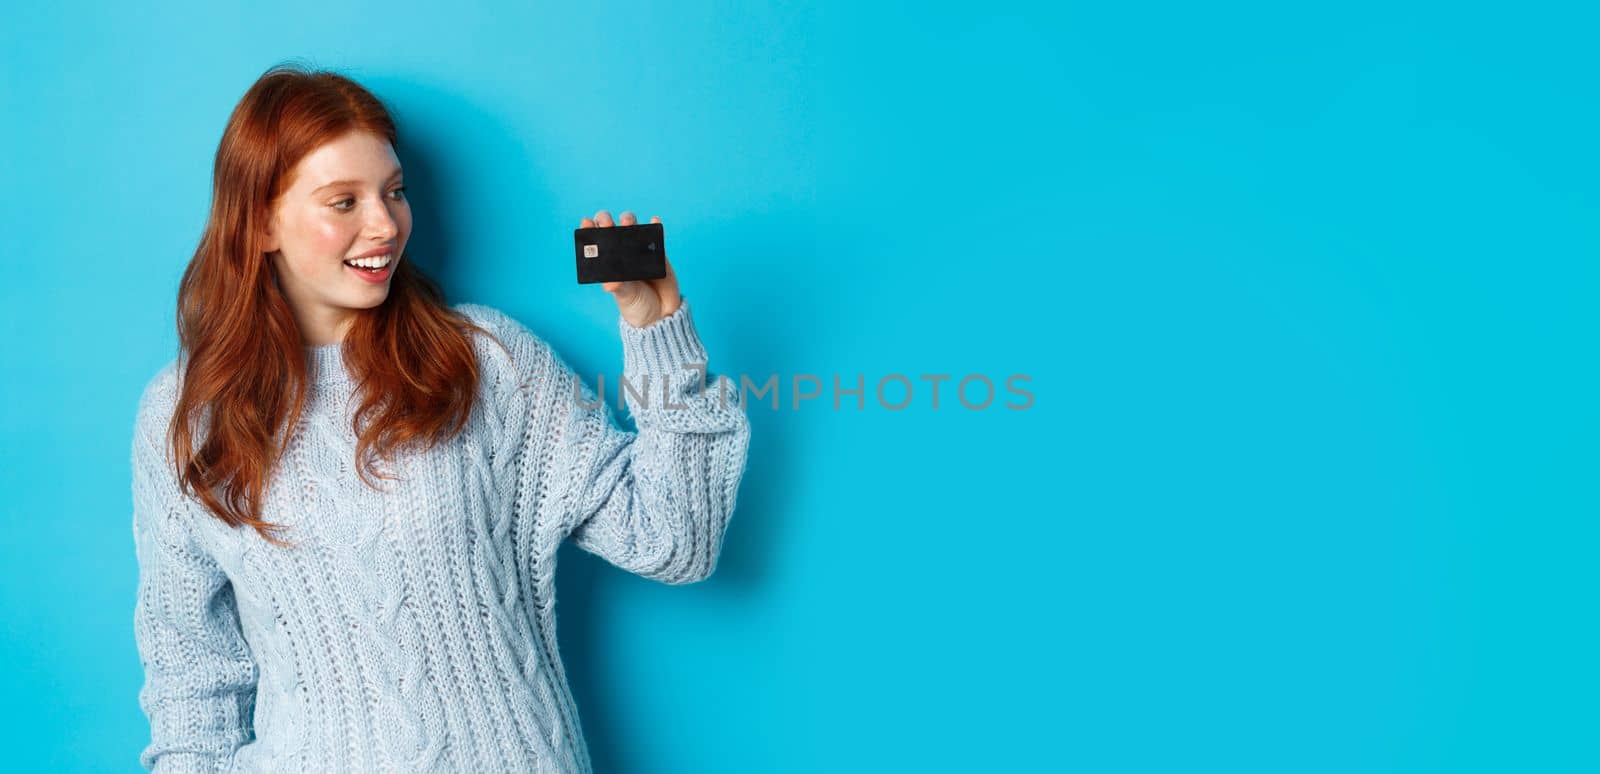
x: 591, y: 251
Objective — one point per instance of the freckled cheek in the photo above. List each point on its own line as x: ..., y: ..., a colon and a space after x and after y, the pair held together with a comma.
x: 333, y: 238
x: 329, y: 241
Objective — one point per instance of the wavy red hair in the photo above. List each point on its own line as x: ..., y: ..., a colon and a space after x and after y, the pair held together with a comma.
x: 245, y: 372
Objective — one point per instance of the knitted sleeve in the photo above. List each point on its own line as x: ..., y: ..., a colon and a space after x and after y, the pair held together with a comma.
x: 655, y: 501
x: 199, y: 677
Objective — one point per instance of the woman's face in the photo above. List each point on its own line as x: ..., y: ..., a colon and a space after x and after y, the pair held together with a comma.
x: 346, y: 200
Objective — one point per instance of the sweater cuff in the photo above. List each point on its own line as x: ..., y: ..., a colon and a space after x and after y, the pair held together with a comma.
x: 664, y: 346
x: 187, y: 763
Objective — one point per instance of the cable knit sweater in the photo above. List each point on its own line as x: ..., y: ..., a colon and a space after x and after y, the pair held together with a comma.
x: 413, y: 629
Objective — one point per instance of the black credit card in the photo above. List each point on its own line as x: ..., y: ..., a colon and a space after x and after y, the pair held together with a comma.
x: 618, y: 253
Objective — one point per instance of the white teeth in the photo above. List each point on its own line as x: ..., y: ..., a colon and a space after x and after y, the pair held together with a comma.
x: 377, y: 262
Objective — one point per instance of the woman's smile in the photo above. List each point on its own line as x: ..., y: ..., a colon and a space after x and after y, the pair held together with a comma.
x: 375, y: 269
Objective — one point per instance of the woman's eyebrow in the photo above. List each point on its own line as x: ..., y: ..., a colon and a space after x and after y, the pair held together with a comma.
x: 392, y: 176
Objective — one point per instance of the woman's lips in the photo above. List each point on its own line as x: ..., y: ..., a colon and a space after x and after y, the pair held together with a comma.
x: 374, y: 252
x: 374, y: 277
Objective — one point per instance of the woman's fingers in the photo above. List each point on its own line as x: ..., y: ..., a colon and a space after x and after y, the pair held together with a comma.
x: 624, y: 290
x: 603, y: 219
x: 666, y: 289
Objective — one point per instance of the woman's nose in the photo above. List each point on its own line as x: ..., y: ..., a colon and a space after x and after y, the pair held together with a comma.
x: 382, y: 224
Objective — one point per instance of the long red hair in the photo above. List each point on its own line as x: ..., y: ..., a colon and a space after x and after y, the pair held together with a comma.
x: 246, y: 376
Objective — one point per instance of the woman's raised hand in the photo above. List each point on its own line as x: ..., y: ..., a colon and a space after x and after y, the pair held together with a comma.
x: 641, y: 301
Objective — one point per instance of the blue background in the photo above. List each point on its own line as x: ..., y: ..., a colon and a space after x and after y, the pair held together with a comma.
x: 1307, y: 297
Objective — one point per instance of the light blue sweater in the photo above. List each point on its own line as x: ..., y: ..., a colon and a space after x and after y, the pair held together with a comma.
x: 414, y: 629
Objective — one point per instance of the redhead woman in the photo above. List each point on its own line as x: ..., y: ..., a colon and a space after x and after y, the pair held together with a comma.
x: 348, y: 494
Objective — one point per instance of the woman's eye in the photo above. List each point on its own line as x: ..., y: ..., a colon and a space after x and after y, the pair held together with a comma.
x: 347, y: 204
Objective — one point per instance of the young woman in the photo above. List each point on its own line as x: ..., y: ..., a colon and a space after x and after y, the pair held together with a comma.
x: 348, y: 495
